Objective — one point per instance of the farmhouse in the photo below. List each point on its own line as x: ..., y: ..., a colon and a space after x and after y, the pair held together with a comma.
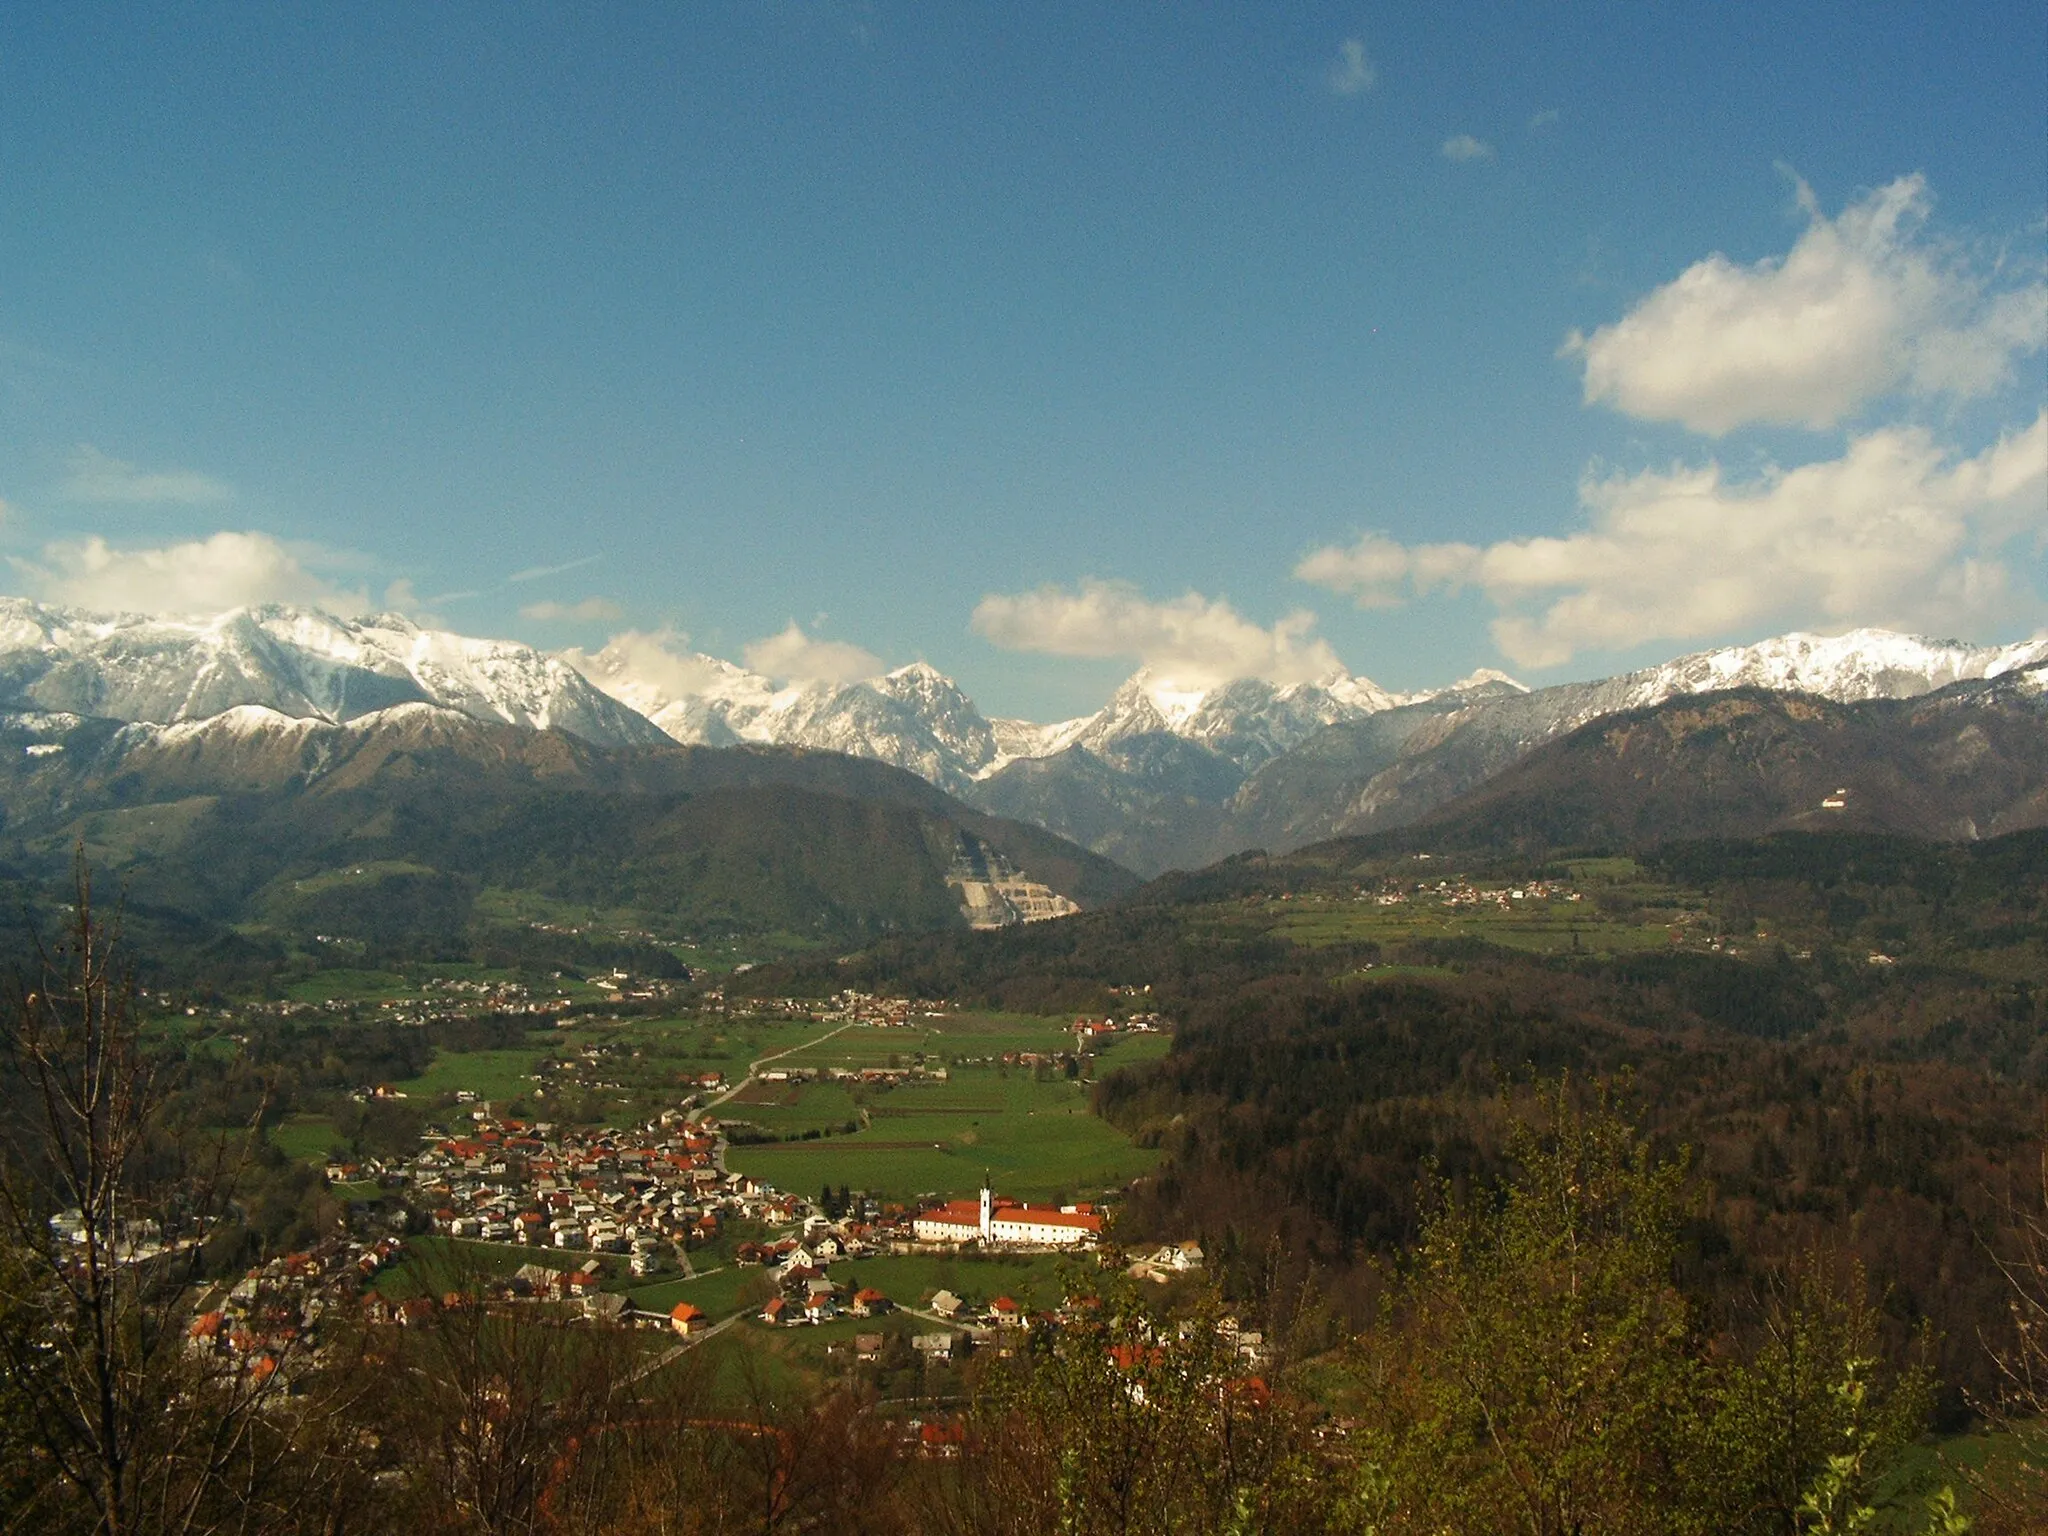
x: 688, y: 1320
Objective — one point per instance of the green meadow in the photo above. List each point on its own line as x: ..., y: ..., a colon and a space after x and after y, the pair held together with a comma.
x: 346, y: 984
x: 304, y: 1138
x: 1036, y: 1138
x: 1541, y: 926
x: 718, y: 1294
x: 495, y: 1075
x: 1037, y: 1280
x: 435, y: 1265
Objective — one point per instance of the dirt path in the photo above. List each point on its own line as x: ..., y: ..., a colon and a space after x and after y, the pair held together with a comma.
x: 675, y: 1352
x: 754, y: 1067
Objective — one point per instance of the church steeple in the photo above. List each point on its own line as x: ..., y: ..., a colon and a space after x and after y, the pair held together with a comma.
x: 988, y: 1208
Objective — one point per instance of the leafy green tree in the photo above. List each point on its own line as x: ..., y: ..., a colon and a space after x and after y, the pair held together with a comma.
x: 1537, y: 1365
x: 1122, y: 1421
x: 1800, y: 1428
x: 1540, y: 1372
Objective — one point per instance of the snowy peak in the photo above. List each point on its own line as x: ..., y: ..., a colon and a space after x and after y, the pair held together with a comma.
x: 1248, y: 720
x: 295, y: 663
x: 914, y: 717
x: 1861, y: 664
x: 251, y: 671
x: 1483, y: 681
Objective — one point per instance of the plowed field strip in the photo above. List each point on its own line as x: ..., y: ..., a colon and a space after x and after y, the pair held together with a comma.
x: 949, y: 1109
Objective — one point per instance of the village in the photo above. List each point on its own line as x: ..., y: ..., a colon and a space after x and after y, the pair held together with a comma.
x: 1462, y: 893
x: 590, y: 1222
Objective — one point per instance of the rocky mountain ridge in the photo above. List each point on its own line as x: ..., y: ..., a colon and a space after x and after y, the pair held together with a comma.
x: 1968, y: 760
x: 1163, y: 775
x: 293, y: 662
x: 1400, y: 765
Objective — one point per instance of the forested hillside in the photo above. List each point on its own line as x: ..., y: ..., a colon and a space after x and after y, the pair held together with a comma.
x: 1846, y: 1038
x: 424, y: 834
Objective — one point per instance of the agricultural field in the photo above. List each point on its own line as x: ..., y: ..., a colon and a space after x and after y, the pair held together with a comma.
x: 646, y: 1065
x: 1027, y: 1125
x: 1038, y: 1280
x: 304, y: 1138
x: 348, y: 985
x: 1598, y: 906
x: 1129, y: 1050
x: 1036, y: 1137
x: 491, y: 1075
x: 1544, y: 926
x: 441, y: 983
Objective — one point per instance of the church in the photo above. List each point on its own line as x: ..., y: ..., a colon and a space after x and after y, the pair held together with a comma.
x: 995, y: 1222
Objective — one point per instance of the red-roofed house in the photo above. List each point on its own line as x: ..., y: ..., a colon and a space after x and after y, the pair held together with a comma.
x: 687, y: 1319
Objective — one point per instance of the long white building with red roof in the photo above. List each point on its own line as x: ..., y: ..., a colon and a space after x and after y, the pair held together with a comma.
x: 996, y: 1222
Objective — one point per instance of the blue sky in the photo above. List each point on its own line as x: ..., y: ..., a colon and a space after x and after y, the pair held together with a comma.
x: 1036, y: 341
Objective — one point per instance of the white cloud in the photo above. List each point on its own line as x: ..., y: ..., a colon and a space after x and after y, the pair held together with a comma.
x: 591, y: 610
x: 1353, y: 73
x: 1544, y: 118
x: 1463, y: 146
x: 1862, y: 305
x: 1376, y: 572
x: 401, y: 596
x: 203, y: 576
x: 1192, y: 640
x: 536, y: 572
x: 98, y: 477
x: 1895, y: 532
x: 794, y: 656
x: 649, y: 668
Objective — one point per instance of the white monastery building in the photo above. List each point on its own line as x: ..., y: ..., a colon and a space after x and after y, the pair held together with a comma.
x: 1000, y: 1223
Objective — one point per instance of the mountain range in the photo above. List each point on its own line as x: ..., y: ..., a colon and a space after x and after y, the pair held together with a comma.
x: 1162, y: 776
x: 418, y: 830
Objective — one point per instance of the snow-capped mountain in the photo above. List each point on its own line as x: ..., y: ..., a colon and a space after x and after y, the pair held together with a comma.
x: 1162, y: 774
x: 1862, y: 664
x: 1409, y: 761
x: 1247, y: 721
x: 917, y: 718
x: 293, y: 662
x: 914, y: 717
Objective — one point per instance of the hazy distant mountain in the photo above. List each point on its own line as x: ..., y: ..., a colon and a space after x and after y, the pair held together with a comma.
x: 1148, y: 779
